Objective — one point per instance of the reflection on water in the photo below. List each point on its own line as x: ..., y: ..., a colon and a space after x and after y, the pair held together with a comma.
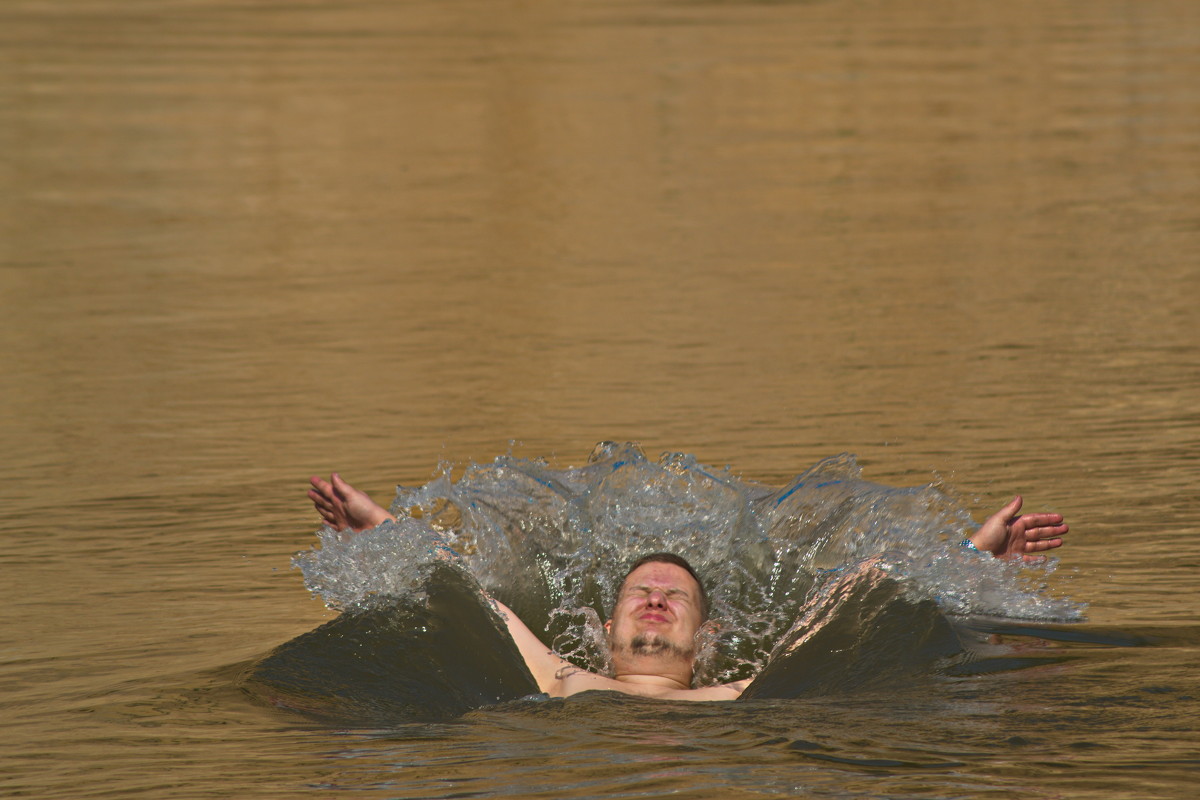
x: 242, y: 243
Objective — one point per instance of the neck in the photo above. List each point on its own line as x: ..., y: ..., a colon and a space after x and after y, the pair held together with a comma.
x: 654, y: 672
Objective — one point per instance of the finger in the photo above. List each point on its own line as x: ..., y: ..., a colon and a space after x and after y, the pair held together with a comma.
x: 327, y: 513
x: 1041, y: 520
x: 321, y: 486
x: 321, y: 501
x: 341, y: 489
x: 1042, y: 544
x: 1013, y: 508
x: 1046, y: 532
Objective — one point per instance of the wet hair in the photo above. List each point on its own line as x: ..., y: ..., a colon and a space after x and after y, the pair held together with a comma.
x: 679, y: 561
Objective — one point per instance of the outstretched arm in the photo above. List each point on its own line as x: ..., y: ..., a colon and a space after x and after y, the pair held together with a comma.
x: 548, y: 667
x: 1010, y: 534
x: 344, y: 507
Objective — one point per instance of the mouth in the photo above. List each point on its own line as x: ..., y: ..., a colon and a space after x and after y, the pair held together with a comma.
x: 652, y: 617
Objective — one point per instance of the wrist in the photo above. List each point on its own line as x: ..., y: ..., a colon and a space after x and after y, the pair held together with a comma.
x: 970, y: 544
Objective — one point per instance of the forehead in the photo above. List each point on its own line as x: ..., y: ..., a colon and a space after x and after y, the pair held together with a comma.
x: 660, y: 575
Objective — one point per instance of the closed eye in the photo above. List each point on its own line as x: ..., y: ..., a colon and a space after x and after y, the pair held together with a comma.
x: 643, y: 591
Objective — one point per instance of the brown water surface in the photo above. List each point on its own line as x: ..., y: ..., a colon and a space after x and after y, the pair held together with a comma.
x: 241, y: 243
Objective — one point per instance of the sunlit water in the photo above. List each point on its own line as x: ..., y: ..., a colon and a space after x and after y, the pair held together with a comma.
x: 245, y: 243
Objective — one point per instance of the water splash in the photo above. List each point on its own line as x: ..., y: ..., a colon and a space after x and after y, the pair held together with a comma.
x: 355, y: 572
x: 554, y: 543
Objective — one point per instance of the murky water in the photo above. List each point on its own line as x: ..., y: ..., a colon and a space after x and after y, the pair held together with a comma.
x: 242, y: 243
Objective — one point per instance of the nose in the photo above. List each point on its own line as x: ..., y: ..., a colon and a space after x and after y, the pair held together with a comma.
x: 657, y: 599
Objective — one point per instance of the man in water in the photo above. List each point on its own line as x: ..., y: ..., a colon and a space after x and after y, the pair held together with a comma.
x: 661, y: 603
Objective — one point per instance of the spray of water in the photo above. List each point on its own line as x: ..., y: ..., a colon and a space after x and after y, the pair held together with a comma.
x: 554, y: 544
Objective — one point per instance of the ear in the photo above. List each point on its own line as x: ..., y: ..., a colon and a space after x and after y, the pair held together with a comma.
x: 608, y: 627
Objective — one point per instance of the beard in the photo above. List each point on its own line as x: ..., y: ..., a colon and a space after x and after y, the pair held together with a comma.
x: 655, y: 644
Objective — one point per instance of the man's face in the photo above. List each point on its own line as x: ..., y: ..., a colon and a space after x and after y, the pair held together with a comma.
x: 657, y: 613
